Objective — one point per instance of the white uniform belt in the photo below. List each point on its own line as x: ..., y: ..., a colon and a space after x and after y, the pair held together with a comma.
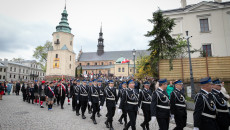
x: 110, y: 98
x: 165, y: 107
x: 209, y: 115
x: 133, y: 103
x: 181, y: 105
x: 146, y: 102
x: 219, y: 110
x: 94, y: 95
x: 101, y: 94
x: 84, y: 94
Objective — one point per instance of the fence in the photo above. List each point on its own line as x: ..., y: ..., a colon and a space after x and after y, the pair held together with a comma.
x: 215, y: 67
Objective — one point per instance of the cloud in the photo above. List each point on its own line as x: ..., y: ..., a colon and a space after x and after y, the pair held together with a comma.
x: 17, y: 36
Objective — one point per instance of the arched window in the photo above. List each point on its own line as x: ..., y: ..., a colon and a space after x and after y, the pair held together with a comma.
x: 70, y: 58
x: 70, y: 66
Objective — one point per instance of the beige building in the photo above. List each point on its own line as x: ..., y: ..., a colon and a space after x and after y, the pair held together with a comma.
x: 107, y: 63
x: 207, y: 22
x: 61, y: 59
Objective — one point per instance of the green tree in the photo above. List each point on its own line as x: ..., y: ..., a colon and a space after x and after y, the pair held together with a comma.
x: 143, y: 67
x: 41, y: 53
x: 163, y: 45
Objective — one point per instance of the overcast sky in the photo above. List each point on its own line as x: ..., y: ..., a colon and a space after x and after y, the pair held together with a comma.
x: 25, y: 24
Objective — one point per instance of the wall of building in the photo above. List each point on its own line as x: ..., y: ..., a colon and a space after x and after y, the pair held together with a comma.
x: 64, y: 63
x: 64, y: 39
x: 2, y: 73
x: 219, y: 25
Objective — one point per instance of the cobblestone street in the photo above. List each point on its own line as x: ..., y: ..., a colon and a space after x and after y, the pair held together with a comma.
x: 19, y: 115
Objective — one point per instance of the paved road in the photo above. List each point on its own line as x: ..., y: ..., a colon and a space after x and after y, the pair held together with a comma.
x: 18, y: 115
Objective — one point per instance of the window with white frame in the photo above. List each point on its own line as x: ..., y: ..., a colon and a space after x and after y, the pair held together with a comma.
x: 204, y: 25
x: 207, y: 50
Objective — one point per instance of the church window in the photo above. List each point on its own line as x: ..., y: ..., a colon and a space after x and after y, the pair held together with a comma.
x: 123, y: 69
x: 56, y: 55
x: 70, y: 66
x: 204, y: 26
x: 10, y: 76
x: 119, y: 69
x: 70, y: 58
x: 3, y: 77
x: 14, y: 76
x: 70, y: 43
x: 14, y: 69
x: 10, y: 68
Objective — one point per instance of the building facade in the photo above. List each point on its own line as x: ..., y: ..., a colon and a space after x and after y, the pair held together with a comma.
x: 61, y: 59
x: 207, y: 22
x: 27, y: 70
x: 108, y: 63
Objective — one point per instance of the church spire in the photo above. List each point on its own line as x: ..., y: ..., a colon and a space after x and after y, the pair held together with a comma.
x: 64, y: 25
x: 100, y: 46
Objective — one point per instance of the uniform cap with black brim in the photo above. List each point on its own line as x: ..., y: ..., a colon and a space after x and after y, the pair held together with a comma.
x: 162, y: 81
x: 216, y: 82
x: 205, y: 80
x: 178, y: 82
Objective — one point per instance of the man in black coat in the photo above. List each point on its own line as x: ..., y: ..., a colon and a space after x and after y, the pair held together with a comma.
x: 110, y: 96
x: 129, y: 102
x: 145, y: 99
x: 222, y: 117
x: 121, y: 92
x: 24, y: 86
x: 101, y: 89
x: 82, y: 97
x: 18, y: 86
x: 160, y: 108
x: 204, y: 115
x: 94, y: 99
x: 178, y: 106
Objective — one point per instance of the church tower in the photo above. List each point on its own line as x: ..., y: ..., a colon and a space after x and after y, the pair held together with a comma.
x: 100, y: 46
x: 61, y: 59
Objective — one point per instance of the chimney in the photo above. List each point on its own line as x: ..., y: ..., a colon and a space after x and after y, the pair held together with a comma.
x: 183, y: 3
x: 218, y: 1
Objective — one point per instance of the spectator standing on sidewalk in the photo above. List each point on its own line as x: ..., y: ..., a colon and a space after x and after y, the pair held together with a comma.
x: 2, y: 88
x: 170, y: 88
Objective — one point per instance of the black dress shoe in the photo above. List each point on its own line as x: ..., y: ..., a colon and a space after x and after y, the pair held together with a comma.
x: 62, y: 107
x: 42, y: 107
x: 94, y: 122
x: 107, y: 124
x: 120, y: 121
x: 83, y: 117
x: 143, y: 126
x: 77, y: 114
x: 99, y: 115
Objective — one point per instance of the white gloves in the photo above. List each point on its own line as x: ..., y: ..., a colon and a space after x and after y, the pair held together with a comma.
x: 90, y: 103
x: 77, y: 101
x: 117, y: 106
x: 101, y: 107
x: 119, y: 111
x: 153, y: 119
x: 172, y: 117
x: 99, y: 102
x: 195, y: 128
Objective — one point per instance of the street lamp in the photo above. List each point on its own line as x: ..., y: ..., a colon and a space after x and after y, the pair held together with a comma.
x: 190, y: 64
x: 134, y: 54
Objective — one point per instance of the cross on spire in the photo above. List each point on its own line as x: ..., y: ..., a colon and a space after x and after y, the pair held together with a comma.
x: 65, y: 4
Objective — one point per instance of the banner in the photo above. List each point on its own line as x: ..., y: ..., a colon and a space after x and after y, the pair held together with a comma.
x: 56, y: 63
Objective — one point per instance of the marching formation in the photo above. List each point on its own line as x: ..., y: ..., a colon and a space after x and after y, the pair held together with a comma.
x: 211, y: 109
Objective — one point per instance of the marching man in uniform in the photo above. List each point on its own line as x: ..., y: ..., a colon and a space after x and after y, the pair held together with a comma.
x: 120, y: 95
x: 145, y: 99
x: 178, y: 106
x: 221, y: 106
x: 76, y: 91
x: 160, y: 108
x: 130, y: 102
x: 101, y: 89
x: 94, y: 99
x: 63, y: 92
x: 110, y: 95
x: 82, y: 98
x: 204, y: 115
